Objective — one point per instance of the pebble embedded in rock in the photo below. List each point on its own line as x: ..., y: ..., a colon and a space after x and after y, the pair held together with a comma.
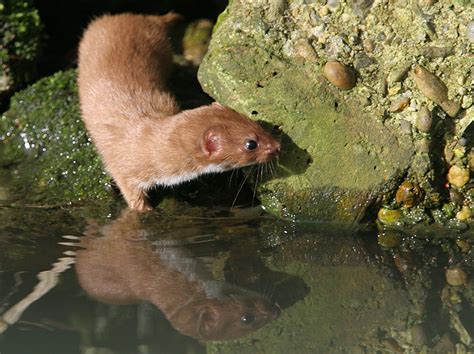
x: 399, y: 104
x: 458, y: 176
x: 388, y: 238
x: 435, y: 89
x: 470, y: 31
x: 456, y: 276
x: 444, y: 345
x: 408, y: 194
x: 463, y: 245
x: 418, y: 336
x: 369, y: 45
x: 389, y: 216
x: 456, y: 196
x: 464, y: 214
x: 339, y: 75
x: 424, y: 120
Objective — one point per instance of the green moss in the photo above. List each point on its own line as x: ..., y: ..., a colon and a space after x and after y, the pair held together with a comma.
x: 20, y: 35
x: 43, y: 137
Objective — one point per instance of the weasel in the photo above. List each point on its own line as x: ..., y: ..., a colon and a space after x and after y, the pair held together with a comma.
x: 134, y: 121
x: 119, y: 266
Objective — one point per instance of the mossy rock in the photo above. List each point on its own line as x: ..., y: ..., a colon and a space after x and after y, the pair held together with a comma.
x: 336, y: 158
x: 45, y: 145
x: 20, y: 43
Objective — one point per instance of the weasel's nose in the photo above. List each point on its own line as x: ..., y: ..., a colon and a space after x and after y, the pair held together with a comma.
x: 273, y: 148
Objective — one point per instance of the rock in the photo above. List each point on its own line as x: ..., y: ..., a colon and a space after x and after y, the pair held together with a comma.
x: 339, y: 75
x: 408, y: 194
x: 388, y: 238
x: 444, y: 345
x: 458, y: 176
x: 464, y: 214
x: 389, y: 216
x: 418, y: 336
x: 336, y: 158
x: 456, y: 276
x: 424, y: 120
x: 20, y: 34
x: 470, y: 32
x: 435, y: 89
x: 456, y: 196
x: 44, y: 142
x: 399, y: 104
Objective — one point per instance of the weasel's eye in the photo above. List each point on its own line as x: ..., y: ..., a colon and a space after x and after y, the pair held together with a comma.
x: 251, y: 144
x: 247, y: 319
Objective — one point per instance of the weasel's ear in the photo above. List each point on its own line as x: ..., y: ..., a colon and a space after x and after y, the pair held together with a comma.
x: 210, y: 142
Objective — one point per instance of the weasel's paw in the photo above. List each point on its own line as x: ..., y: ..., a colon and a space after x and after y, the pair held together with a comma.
x: 141, y: 205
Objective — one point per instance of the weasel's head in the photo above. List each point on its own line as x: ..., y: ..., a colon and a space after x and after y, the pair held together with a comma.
x: 220, y: 319
x: 234, y: 140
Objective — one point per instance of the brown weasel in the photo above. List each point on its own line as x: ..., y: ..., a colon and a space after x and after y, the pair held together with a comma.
x: 143, y: 138
x: 119, y: 266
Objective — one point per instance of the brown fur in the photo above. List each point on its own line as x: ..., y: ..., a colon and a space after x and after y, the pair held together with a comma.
x: 124, y: 63
x: 119, y: 266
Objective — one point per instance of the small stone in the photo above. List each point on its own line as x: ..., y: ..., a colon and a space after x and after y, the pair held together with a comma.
x: 399, y: 73
x: 394, y: 89
x: 408, y: 194
x: 362, y: 61
x: 405, y: 127
x: 305, y: 50
x: 339, y: 75
x: 436, y: 52
x: 332, y: 4
x: 466, y: 101
x: 424, y: 120
x: 418, y: 336
x: 464, y: 214
x: 456, y: 276
x: 323, y: 11
x: 399, y: 104
x: 435, y: 89
x: 470, y: 32
x: 392, y: 346
x: 388, y: 238
x: 403, y: 262
x: 444, y: 345
x: 423, y: 145
x: 456, y: 196
x: 463, y: 245
x: 458, y: 176
x: 389, y: 216
x: 369, y: 45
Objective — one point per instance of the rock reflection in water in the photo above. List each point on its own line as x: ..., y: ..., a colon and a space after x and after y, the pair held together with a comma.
x: 119, y: 265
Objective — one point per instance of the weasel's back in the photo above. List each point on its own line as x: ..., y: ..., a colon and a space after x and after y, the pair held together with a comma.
x: 124, y: 63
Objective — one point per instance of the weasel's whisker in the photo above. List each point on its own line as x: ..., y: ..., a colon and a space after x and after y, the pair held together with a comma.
x: 241, y: 186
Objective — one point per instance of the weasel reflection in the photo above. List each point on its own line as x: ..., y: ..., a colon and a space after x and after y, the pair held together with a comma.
x: 119, y: 266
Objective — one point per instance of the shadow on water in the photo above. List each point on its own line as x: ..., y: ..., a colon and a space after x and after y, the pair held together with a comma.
x: 176, y: 281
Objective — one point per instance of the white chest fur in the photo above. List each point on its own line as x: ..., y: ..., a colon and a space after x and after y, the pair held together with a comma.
x: 183, y: 177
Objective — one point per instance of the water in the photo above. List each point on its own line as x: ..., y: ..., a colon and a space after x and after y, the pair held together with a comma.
x: 113, y: 281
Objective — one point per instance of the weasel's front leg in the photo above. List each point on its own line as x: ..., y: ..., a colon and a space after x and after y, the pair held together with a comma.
x: 135, y: 196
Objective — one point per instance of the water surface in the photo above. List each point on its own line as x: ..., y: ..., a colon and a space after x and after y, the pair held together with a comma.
x: 173, y: 282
